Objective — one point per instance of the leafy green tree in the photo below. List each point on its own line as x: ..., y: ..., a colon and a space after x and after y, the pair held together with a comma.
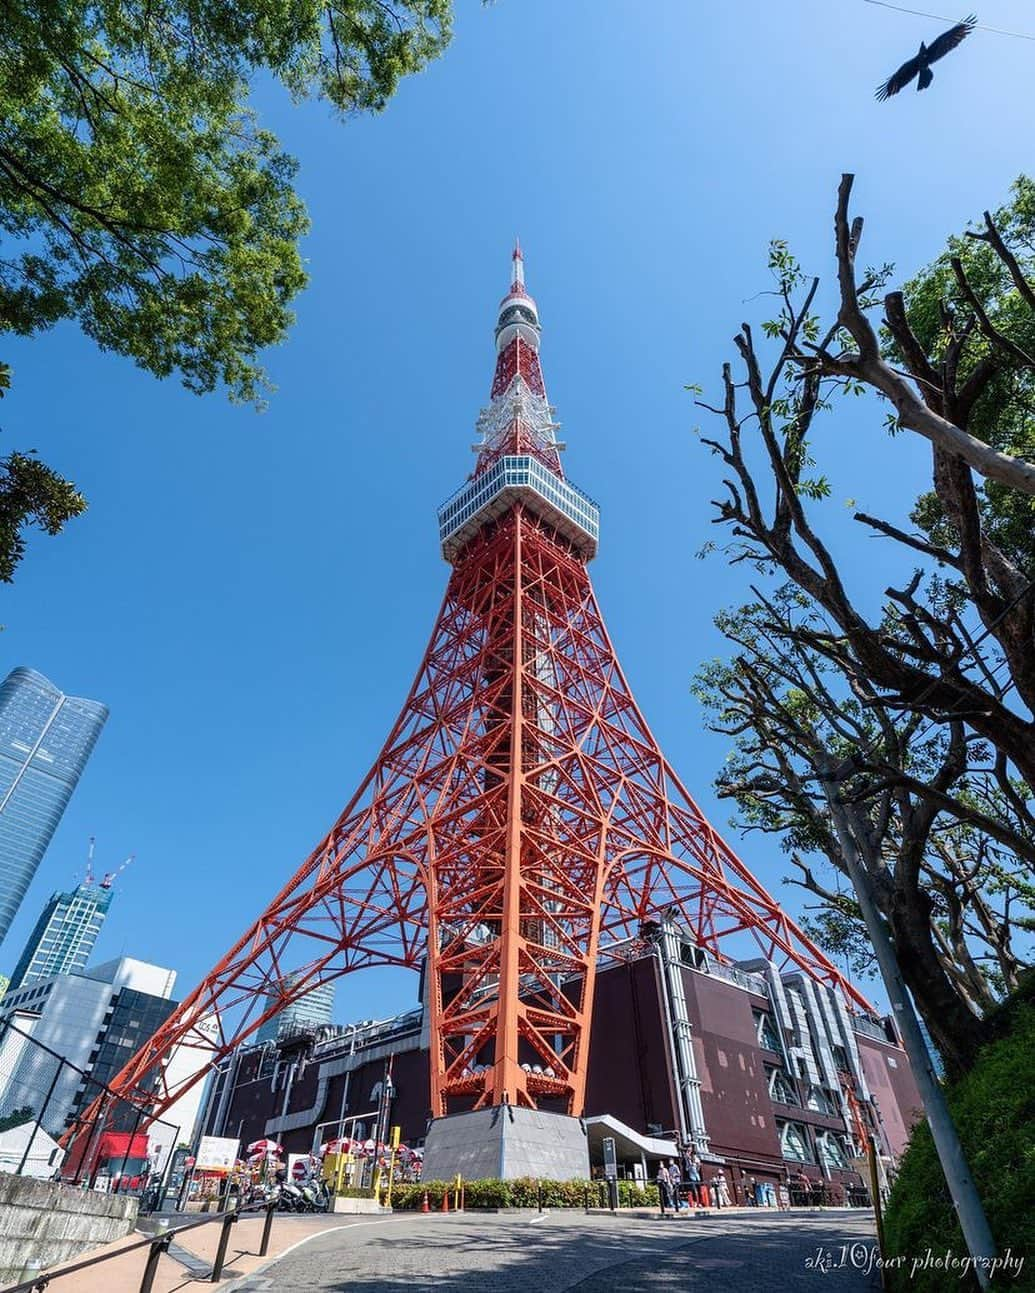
x: 17, y: 1117
x: 138, y: 194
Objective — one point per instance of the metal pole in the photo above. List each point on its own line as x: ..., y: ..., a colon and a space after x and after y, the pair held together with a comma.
x: 163, y: 1186
x: 39, y: 1119
x: 129, y: 1146
x: 965, y: 1198
x: 96, y: 1129
x: 224, y: 1239
x: 267, y: 1226
x: 153, y: 1257
x: 878, y: 1205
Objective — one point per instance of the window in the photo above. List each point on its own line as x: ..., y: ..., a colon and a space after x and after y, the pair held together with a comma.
x: 794, y: 1142
x: 766, y: 1032
x: 831, y: 1150
x: 818, y: 1101
x: 781, y: 1088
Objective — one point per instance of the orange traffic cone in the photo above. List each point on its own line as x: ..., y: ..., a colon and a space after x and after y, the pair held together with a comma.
x: 425, y: 1206
x: 445, y: 1201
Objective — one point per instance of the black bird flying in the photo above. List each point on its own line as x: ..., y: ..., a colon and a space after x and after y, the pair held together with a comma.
x: 927, y: 55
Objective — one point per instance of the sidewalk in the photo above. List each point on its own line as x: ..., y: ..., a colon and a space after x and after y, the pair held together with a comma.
x: 197, y: 1248
x: 737, y: 1210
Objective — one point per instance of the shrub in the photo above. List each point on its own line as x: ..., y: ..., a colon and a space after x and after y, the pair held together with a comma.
x: 355, y: 1192
x: 993, y: 1107
x: 524, y: 1193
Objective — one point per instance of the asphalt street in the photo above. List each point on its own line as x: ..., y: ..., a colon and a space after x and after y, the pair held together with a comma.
x: 565, y: 1251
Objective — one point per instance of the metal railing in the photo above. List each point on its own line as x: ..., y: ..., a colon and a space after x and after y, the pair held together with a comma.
x: 869, y: 1027
x: 157, y: 1246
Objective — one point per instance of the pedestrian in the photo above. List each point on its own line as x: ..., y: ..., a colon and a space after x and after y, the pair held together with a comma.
x: 750, y: 1186
x: 664, y: 1187
x: 676, y: 1181
x: 693, y: 1177
x: 722, y: 1199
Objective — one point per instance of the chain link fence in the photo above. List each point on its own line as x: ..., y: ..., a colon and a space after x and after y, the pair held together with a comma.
x: 43, y: 1096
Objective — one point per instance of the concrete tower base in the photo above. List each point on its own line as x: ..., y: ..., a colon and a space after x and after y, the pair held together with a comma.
x: 504, y: 1143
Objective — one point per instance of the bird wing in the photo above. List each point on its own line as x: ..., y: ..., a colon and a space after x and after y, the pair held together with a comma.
x: 950, y: 39
x: 899, y: 80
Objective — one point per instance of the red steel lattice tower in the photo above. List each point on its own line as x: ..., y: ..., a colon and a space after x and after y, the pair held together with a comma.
x: 520, y: 822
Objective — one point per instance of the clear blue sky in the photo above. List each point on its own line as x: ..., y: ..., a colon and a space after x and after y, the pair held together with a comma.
x: 250, y: 594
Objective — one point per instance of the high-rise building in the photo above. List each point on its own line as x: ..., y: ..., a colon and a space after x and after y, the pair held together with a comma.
x: 46, y: 738
x: 64, y: 937
x: 91, y: 1021
x: 310, y: 1011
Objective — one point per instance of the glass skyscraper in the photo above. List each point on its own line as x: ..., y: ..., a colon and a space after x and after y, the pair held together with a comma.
x: 46, y: 738
x: 65, y: 934
x: 309, y: 1011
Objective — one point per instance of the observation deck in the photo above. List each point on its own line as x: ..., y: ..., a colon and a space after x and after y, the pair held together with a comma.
x: 519, y: 478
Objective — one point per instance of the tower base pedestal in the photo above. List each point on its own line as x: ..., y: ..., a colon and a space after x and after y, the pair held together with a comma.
x: 504, y: 1143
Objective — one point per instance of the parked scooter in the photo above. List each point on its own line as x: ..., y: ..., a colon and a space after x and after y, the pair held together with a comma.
x: 292, y: 1199
x: 316, y: 1194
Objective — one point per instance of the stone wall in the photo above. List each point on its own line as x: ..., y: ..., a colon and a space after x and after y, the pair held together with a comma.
x: 47, y: 1222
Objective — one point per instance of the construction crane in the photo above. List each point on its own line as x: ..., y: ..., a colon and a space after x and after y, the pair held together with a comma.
x: 111, y: 876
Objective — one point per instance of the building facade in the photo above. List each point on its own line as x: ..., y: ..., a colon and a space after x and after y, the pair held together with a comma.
x: 64, y: 937
x: 768, y: 1070
x: 72, y: 1033
x: 309, y: 1011
x: 46, y: 738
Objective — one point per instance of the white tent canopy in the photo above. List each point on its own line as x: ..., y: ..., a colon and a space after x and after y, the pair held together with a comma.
x: 45, y: 1154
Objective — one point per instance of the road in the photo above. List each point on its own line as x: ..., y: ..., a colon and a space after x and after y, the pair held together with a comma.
x: 563, y: 1251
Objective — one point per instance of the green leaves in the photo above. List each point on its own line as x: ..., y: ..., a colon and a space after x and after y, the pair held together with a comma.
x: 31, y: 494
x: 137, y: 192
x: 140, y: 197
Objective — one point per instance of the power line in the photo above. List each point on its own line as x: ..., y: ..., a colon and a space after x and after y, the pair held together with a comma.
x: 923, y: 13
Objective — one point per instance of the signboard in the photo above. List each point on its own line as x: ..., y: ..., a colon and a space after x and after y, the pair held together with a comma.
x: 216, y: 1154
x: 610, y: 1159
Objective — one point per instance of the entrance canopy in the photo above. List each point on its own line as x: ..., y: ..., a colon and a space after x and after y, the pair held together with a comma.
x: 630, y: 1146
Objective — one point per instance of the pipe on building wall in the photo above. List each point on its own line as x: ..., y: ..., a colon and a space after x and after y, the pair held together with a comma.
x: 225, y: 1096
x: 670, y: 1045
x: 690, y: 1112
x: 334, y: 1068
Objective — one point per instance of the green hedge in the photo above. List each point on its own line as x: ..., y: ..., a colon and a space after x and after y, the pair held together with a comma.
x: 524, y: 1193
x: 993, y: 1107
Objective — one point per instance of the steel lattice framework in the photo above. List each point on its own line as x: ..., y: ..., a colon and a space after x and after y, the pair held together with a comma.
x: 520, y: 822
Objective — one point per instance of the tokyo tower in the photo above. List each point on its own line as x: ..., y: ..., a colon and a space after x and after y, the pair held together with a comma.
x: 520, y: 824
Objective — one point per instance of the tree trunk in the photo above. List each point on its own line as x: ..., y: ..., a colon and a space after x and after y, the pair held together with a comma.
x: 957, y: 1032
